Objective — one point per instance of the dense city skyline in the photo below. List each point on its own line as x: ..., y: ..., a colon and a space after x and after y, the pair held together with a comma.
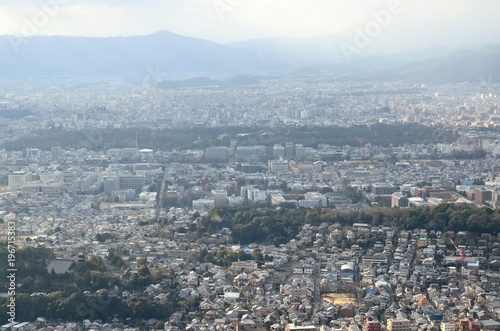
x: 341, y: 175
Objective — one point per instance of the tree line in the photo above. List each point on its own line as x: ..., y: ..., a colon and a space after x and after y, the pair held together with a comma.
x: 91, y: 290
x: 270, y: 226
x: 202, y: 138
x: 92, y: 283
x: 73, y: 304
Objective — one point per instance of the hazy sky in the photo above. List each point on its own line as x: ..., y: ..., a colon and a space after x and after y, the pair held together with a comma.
x: 417, y: 22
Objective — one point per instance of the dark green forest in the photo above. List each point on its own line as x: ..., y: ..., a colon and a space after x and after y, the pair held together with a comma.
x: 202, y: 138
x: 279, y: 226
x: 90, y: 291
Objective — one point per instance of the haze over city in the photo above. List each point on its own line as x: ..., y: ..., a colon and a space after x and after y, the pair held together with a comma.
x: 417, y: 24
x: 249, y: 165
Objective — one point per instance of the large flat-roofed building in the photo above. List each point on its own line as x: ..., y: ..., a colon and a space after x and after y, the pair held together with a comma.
x: 398, y: 324
x: 277, y: 199
x: 128, y: 153
x: 377, y: 258
x: 299, y: 152
x: 134, y: 182
x: 371, y: 324
x: 383, y: 189
x: 399, y: 200
x: 217, y: 154
x: 220, y: 197
x: 251, y: 153
x: 447, y: 326
x: 18, y: 179
x: 203, y: 204
x: 481, y: 195
x: 250, y: 168
x: 254, y: 193
x: 278, y: 166
x: 52, y: 177
x: 489, y: 324
x: 417, y: 202
x: 110, y: 183
x: 313, y: 200
x: 33, y: 153
x: 51, y: 190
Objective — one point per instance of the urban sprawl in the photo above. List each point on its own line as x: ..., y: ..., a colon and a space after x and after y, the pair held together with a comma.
x: 146, y: 216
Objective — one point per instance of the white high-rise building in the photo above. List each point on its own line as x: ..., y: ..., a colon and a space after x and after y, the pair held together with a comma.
x: 18, y: 179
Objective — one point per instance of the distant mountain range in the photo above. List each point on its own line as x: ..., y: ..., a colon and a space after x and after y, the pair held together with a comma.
x: 169, y: 52
x: 176, y: 56
x: 480, y: 66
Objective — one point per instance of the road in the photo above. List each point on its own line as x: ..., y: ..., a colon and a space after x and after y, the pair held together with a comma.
x: 159, y: 205
x: 357, y: 281
x: 316, y: 303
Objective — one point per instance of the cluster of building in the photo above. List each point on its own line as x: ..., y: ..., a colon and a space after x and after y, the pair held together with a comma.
x: 123, y: 183
x: 287, y: 100
x: 329, y: 277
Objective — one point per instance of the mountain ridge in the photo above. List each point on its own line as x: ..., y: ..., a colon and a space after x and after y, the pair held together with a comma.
x: 177, y: 55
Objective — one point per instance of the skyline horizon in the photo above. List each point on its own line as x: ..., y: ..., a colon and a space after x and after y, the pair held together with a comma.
x: 471, y: 46
x: 394, y: 25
